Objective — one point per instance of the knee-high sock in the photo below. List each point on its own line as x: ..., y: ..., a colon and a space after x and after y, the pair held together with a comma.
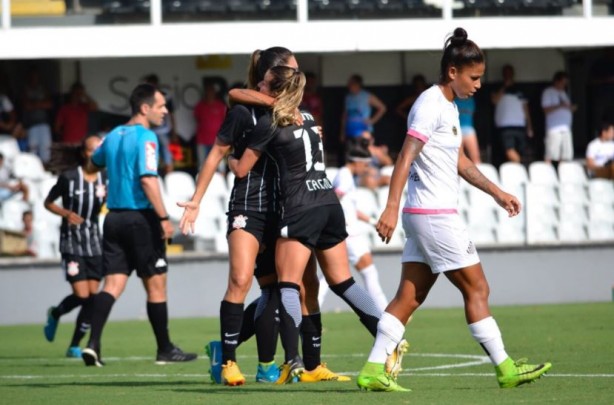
x: 486, y: 332
x: 311, y: 335
x: 267, y: 323
x: 370, y: 277
x: 360, y: 301
x: 231, y: 318
x: 290, y: 318
x: 158, y: 317
x: 69, y: 303
x: 84, y: 320
x: 101, y: 308
x: 389, y: 333
x: 248, y: 326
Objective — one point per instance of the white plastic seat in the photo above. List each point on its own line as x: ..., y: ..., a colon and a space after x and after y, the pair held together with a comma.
x: 9, y: 149
x: 573, y: 193
x: 541, y: 233
x: 513, y: 174
x: 510, y: 233
x: 490, y: 171
x: 601, y: 212
x: 178, y: 186
x: 543, y: 173
x: 230, y: 180
x: 483, y: 236
x: 537, y: 194
x: 573, y: 213
x: 572, y: 172
x: 601, y: 232
x: 12, y: 214
x: 601, y: 190
x: 572, y: 232
x: 28, y: 166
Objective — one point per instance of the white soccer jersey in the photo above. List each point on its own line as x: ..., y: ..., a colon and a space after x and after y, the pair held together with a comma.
x: 561, y: 117
x: 345, y: 187
x: 433, y: 183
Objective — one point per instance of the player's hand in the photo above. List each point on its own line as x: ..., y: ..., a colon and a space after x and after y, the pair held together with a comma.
x: 298, y: 117
x: 190, y: 213
x: 74, y: 219
x: 509, y: 203
x: 386, y: 224
x: 167, y: 229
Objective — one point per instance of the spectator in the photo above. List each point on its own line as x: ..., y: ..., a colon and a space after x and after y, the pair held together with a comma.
x: 600, y: 152
x: 8, y: 185
x: 558, y: 111
x: 209, y: 114
x: 36, y: 106
x: 466, y: 110
x: 312, y: 101
x: 166, y: 130
x: 28, y: 231
x: 358, y: 117
x: 512, y: 118
x: 418, y: 85
x: 73, y: 117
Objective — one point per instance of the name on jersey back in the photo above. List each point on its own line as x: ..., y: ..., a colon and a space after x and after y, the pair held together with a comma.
x: 319, y: 184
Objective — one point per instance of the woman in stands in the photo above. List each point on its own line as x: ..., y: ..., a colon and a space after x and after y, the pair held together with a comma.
x: 82, y: 188
x: 311, y: 216
x: 437, y: 241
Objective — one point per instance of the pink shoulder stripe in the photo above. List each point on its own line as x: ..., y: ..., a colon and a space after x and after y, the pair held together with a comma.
x: 418, y: 135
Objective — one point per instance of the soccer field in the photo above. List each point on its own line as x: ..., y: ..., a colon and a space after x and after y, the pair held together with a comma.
x: 444, y: 365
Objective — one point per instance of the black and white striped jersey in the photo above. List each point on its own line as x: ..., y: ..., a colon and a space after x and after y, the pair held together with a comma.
x: 257, y: 190
x: 85, y: 199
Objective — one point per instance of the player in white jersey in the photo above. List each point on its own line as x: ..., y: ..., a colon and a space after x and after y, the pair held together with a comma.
x: 359, y: 251
x: 437, y: 241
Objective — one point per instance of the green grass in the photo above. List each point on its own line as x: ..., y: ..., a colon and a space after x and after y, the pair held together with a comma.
x: 578, y: 339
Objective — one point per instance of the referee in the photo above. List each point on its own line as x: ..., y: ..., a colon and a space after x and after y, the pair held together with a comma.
x: 137, y: 225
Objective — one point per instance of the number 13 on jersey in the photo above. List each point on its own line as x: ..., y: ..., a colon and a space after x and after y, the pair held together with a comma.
x: 311, y: 160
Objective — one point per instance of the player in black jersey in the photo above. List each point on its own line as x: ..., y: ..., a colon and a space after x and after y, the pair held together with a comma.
x: 311, y: 216
x: 252, y: 221
x: 82, y: 189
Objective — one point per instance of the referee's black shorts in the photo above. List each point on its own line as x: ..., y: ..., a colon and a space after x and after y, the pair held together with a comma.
x: 319, y: 227
x: 132, y: 240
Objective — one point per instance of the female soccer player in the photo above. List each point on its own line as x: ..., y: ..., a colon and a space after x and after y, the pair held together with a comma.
x: 359, y: 253
x: 83, y: 190
x: 311, y: 215
x: 437, y: 241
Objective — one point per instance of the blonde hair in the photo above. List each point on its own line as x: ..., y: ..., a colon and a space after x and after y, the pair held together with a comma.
x: 287, y: 86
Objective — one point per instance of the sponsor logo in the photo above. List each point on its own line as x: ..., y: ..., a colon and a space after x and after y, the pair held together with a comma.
x: 414, y: 177
x: 231, y: 334
x: 239, y: 222
x: 160, y: 263
x: 315, y: 338
x: 151, y: 162
x: 101, y: 191
x: 72, y: 268
x: 214, y: 362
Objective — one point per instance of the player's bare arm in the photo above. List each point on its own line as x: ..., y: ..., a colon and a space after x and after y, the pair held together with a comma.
x: 388, y: 220
x: 252, y: 97
x: 241, y: 167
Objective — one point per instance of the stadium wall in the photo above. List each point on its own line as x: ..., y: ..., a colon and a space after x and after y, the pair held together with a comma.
x: 196, y: 284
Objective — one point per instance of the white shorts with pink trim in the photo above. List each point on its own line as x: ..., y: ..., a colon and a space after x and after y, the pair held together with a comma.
x: 439, y: 240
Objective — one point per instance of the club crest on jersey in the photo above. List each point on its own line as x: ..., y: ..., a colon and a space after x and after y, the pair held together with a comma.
x: 151, y: 163
x: 101, y: 191
x: 239, y: 222
x: 72, y: 268
x: 454, y: 130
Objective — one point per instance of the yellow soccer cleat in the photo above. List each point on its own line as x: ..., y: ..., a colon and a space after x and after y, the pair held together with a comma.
x: 393, y: 361
x: 290, y: 371
x: 231, y: 374
x: 322, y: 373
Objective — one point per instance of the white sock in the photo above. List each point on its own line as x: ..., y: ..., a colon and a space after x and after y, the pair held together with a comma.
x: 323, y: 290
x: 487, y: 334
x: 370, y: 276
x: 389, y: 333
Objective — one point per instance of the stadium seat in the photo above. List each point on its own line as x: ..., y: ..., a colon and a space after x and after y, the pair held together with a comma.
x: 541, y: 233
x: 483, y: 236
x: 490, y: 171
x: 573, y: 212
x: 28, y: 166
x: 511, y: 231
x: 601, y: 190
x: 601, y: 212
x: 178, y: 186
x: 572, y: 172
x: 513, y: 175
x: 573, y: 193
x: 230, y: 180
x: 11, y: 212
x: 572, y: 232
x: 601, y: 232
x: 9, y: 149
x: 543, y: 173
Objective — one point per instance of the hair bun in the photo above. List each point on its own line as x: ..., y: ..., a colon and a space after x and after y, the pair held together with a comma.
x: 459, y: 37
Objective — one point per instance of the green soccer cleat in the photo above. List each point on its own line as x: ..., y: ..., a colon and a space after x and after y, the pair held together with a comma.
x: 512, y: 373
x: 372, y: 377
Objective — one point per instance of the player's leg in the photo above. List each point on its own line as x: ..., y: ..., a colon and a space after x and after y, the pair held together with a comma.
x: 291, y: 259
x: 475, y: 290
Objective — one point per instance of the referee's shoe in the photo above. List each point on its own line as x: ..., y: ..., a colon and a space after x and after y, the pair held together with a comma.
x: 175, y: 355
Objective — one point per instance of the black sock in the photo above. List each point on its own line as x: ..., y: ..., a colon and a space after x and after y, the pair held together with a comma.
x: 157, y: 312
x: 84, y: 320
x: 231, y: 318
x: 290, y: 318
x: 360, y: 301
x: 248, y: 326
x: 311, y: 335
x: 267, y: 323
x: 69, y: 303
x: 101, y: 308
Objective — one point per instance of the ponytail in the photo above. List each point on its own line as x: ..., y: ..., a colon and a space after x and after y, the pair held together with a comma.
x: 459, y: 51
x: 287, y: 86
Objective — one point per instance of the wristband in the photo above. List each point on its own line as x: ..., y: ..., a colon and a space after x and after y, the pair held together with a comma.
x: 166, y: 218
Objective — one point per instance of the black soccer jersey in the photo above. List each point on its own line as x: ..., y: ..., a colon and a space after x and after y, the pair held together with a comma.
x: 85, y: 199
x: 256, y: 191
x: 298, y: 155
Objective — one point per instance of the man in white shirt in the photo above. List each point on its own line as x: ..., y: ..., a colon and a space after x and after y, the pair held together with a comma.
x: 600, y: 153
x: 558, y: 111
